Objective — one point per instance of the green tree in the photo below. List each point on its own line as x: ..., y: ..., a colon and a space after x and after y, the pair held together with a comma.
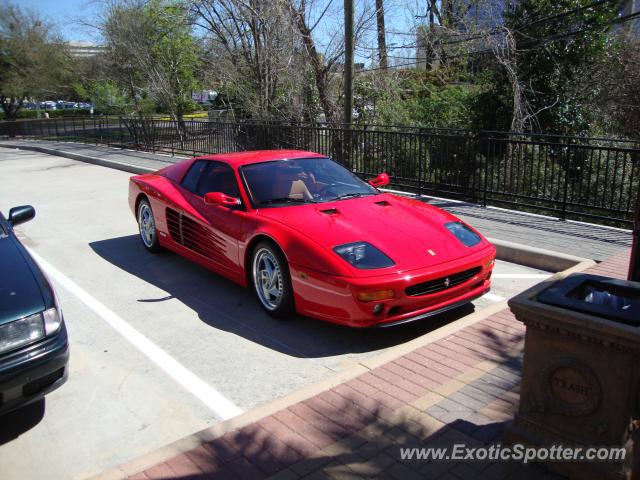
x: 154, y: 52
x: 557, y: 42
x: 106, y: 96
x: 34, y: 62
x: 416, y: 98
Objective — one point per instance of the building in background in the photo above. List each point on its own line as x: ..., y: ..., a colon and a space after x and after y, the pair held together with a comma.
x: 85, y: 49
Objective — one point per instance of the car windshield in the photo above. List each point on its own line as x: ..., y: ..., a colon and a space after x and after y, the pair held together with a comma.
x: 306, y: 180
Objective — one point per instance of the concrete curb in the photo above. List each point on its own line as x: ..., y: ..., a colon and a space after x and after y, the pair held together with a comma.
x: 125, y: 167
x: 534, y: 257
x: 193, y: 441
x: 526, y: 255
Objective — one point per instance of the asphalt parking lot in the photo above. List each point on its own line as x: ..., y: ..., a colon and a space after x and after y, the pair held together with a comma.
x: 160, y: 348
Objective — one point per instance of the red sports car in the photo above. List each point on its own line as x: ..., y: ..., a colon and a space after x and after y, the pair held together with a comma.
x: 309, y: 236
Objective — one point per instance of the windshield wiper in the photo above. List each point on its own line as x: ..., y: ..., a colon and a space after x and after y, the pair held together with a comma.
x: 352, y: 195
x: 285, y: 200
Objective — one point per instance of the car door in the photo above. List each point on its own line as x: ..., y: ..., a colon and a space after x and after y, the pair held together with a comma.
x: 213, y: 230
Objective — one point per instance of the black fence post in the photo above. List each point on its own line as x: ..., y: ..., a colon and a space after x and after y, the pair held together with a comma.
x: 634, y: 264
x: 421, y: 138
x: 488, y: 158
x: 563, y: 214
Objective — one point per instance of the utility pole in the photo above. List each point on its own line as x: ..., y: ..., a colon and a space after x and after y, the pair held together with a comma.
x: 348, y: 62
x: 382, y: 40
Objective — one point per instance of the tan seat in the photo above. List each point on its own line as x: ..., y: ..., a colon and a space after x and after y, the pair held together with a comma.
x: 299, y: 190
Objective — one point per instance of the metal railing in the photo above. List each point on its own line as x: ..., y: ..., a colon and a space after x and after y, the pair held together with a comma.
x: 591, y: 179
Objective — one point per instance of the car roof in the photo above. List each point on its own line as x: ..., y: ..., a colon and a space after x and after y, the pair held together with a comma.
x: 257, y: 156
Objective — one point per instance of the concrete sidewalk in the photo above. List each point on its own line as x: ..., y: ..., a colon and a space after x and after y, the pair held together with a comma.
x: 460, y: 389
x: 573, y: 238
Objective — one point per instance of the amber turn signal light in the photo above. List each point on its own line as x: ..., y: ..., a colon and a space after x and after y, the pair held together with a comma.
x: 375, y: 295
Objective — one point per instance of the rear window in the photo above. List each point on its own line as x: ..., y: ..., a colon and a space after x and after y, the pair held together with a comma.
x: 218, y: 178
x: 190, y: 180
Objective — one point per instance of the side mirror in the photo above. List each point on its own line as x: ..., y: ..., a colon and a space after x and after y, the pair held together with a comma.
x: 380, y: 181
x: 18, y: 215
x: 219, y: 198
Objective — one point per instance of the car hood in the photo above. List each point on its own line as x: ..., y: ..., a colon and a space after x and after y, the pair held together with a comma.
x: 20, y: 293
x: 404, y: 229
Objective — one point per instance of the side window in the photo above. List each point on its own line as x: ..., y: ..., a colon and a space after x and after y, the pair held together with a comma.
x: 190, y: 180
x: 218, y: 178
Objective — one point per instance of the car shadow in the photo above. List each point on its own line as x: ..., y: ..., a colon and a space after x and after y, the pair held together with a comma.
x: 20, y: 421
x: 226, y: 306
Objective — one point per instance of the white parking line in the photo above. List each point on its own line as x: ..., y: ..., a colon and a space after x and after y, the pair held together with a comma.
x: 493, y: 297
x: 220, y: 405
x: 533, y: 276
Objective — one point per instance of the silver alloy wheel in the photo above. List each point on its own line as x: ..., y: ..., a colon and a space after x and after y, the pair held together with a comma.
x: 147, y: 224
x: 267, y: 278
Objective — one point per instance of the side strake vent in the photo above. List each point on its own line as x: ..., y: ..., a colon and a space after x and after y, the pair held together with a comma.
x: 192, y: 235
x: 173, y: 223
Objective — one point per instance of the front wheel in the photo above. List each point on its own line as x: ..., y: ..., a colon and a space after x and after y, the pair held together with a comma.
x: 147, y: 227
x: 271, y: 280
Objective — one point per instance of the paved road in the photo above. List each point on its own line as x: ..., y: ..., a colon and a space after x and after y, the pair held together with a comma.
x: 152, y: 336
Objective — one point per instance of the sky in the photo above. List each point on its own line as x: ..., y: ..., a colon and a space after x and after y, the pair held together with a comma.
x: 67, y: 15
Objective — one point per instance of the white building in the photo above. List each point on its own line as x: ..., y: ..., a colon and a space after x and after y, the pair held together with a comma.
x: 85, y: 49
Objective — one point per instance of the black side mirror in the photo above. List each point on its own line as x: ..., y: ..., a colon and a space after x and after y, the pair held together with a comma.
x: 18, y: 215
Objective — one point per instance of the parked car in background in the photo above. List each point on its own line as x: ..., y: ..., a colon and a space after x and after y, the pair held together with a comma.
x: 65, y: 105
x: 309, y: 236
x: 34, y: 350
x: 48, y: 105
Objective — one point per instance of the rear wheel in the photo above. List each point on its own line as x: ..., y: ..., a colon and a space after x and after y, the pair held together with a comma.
x: 147, y: 227
x: 271, y: 280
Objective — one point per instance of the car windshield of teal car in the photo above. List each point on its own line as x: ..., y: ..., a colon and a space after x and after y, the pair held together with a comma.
x: 308, y: 180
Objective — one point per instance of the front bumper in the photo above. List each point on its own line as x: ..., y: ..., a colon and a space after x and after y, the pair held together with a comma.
x: 430, y: 312
x: 26, y: 375
x: 333, y: 298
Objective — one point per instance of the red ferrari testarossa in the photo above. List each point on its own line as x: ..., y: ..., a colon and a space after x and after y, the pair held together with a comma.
x: 311, y: 237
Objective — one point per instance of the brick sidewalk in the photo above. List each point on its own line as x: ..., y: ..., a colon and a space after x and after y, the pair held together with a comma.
x: 461, y: 389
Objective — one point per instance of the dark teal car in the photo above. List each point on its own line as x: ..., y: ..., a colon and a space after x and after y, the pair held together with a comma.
x: 34, y: 350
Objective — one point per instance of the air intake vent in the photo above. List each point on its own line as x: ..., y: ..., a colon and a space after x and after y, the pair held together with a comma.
x: 383, y: 203
x: 440, y: 284
x: 330, y: 211
x: 192, y: 235
x: 173, y: 223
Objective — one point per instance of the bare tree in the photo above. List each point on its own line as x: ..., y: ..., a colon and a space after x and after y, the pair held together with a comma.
x: 504, y: 50
x: 308, y: 19
x: 254, y: 53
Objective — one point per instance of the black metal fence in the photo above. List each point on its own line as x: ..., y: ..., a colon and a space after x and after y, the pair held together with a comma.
x: 592, y: 179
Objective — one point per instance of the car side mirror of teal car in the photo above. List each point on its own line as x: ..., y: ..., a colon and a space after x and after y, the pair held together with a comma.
x: 380, y: 181
x: 21, y: 214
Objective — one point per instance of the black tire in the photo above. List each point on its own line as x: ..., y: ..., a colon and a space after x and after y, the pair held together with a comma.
x: 280, y: 305
x: 148, y: 231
